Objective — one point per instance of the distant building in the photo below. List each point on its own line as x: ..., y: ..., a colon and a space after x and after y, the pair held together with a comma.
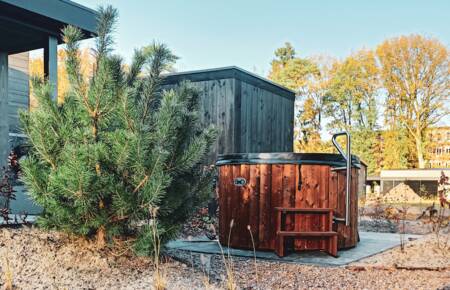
x: 439, y: 149
x: 422, y: 181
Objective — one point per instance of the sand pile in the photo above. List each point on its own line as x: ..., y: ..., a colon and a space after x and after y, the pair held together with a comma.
x: 401, y: 193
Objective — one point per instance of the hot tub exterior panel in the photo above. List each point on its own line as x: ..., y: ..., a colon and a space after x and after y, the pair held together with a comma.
x: 311, y: 193
x: 347, y: 235
x: 251, y: 206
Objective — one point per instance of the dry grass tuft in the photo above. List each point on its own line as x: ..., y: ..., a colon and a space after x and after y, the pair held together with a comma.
x: 254, y: 254
x: 159, y: 275
x: 230, y: 281
x: 8, y: 275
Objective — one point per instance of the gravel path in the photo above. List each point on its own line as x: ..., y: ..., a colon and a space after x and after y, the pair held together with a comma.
x: 49, y: 260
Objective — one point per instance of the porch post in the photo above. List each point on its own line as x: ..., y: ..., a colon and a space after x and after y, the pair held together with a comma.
x: 4, y: 126
x: 51, y: 63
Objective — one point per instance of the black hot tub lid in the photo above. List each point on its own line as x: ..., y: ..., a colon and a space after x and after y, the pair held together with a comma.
x: 335, y: 160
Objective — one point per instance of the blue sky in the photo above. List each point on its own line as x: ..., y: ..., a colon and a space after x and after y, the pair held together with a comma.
x: 208, y: 33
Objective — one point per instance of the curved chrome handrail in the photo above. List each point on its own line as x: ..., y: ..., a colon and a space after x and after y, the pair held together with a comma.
x: 348, y: 158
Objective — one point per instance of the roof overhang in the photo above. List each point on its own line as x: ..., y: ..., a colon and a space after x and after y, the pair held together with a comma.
x: 25, y: 25
x: 413, y: 174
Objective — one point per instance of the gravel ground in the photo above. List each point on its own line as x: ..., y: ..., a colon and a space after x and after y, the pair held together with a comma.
x: 275, y: 275
x: 49, y: 260
x: 415, y: 227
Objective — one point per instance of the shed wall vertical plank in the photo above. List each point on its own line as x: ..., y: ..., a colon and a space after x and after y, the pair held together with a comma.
x: 254, y: 120
x: 261, y: 121
x: 235, y: 114
x: 220, y: 109
x: 290, y: 122
x: 248, y: 117
x: 266, y: 117
x: 275, y: 137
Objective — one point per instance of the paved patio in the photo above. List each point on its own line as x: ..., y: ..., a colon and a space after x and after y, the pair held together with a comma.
x: 371, y: 243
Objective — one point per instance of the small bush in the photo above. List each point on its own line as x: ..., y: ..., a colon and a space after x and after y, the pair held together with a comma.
x: 7, y: 192
x: 117, y: 146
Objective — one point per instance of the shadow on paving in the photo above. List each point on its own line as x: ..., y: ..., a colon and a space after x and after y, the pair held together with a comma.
x: 371, y: 243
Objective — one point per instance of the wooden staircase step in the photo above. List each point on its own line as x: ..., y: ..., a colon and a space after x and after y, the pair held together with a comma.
x: 330, y: 237
x: 304, y: 210
x: 306, y: 234
x: 338, y: 168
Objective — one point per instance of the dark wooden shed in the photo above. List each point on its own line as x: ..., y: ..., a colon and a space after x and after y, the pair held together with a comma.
x: 251, y: 113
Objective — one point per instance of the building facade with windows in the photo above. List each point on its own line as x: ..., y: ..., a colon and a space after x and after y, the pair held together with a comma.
x: 439, y: 149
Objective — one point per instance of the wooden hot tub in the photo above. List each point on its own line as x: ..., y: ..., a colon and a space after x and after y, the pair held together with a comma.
x: 252, y: 185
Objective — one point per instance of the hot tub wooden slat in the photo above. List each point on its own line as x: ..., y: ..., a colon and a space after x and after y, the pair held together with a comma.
x: 244, y: 205
x: 235, y: 209
x: 254, y: 183
x: 324, y: 201
x: 289, y: 193
x: 274, y: 199
x: 265, y: 209
x: 223, y: 200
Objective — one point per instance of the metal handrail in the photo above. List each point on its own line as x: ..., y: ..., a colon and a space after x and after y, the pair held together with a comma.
x: 348, y: 158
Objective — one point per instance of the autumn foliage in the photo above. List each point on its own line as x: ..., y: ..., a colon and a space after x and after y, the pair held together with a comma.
x: 388, y: 98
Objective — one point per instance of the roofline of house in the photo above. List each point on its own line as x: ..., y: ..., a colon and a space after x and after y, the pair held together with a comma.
x: 63, y: 11
x: 229, y: 72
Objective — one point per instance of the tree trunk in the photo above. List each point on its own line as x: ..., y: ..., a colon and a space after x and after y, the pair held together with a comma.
x: 101, y: 237
x: 420, y: 153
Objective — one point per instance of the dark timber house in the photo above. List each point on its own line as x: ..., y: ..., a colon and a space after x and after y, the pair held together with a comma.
x: 27, y: 25
x: 251, y: 113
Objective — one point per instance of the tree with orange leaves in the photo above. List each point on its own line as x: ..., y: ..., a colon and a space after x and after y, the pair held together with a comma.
x: 415, y: 71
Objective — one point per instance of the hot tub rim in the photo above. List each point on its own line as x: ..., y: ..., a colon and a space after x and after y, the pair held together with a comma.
x: 334, y: 160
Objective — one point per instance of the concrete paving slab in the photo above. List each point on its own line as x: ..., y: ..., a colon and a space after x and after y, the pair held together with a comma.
x: 371, y: 243
x: 24, y: 203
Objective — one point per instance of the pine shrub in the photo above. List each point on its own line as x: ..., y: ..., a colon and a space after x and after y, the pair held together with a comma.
x: 118, y: 147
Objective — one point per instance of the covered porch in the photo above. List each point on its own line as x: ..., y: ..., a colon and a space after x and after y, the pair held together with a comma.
x: 26, y: 26
x: 30, y: 25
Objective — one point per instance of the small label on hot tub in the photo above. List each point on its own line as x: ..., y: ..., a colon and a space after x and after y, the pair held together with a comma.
x: 240, y: 181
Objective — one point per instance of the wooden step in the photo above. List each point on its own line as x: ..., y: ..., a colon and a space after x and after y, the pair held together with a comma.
x: 304, y: 210
x: 330, y: 237
x: 338, y: 168
x: 306, y: 234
